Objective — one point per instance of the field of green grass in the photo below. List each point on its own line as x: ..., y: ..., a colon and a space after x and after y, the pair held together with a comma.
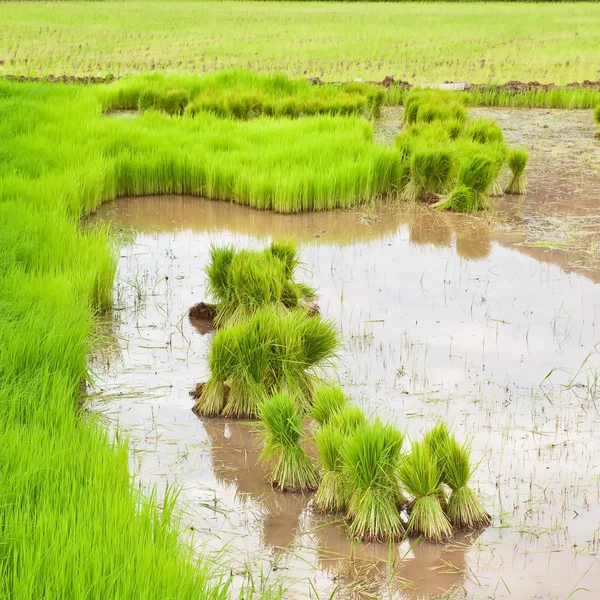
x: 417, y: 42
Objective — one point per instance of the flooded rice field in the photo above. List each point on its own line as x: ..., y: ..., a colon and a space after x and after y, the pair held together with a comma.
x: 489, y: 322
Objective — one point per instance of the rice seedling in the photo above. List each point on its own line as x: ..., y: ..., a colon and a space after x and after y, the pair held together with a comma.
x: 430, y: 173
x: 244, y: 281
x: 333, y: 493
x: 291, y: 467
x: 269, y: 352
x: 371, y: 458
x: 421, y: 477
x: 476, y: 174
x: 242, y: 95
x: 436, y: 439
x: 517, y: 161
x: 597, y: 119
x: 465, y: 510
x: 483, y: 131
x: 348, y: 419
x: 328, y: 400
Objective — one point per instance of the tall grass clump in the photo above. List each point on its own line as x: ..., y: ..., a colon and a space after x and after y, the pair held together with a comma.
x: 517, y: 161
x: 245, y: 281
x: 465, y: 510
x: 371, y: 458
x: 328, y: 400
x: 291, y: 467
x: 269, y: 352
x: 421, y: 477
x: 597, y: 119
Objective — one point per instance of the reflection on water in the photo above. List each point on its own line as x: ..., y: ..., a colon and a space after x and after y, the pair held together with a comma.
x: 443, y: 317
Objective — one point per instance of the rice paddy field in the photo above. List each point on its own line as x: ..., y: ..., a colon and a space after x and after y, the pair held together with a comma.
x: 416, y: 42
x: 266, y: 337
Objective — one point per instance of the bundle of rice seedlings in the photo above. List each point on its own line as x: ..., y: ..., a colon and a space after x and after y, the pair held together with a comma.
x: 245, y: 281
x: 597, y: 119
x: 271, y: 351
x: 430, y: 173
x: 291, y: 467
x: 517, y: 161
x: 475, y: 176
x: 348, y: 419
x: 464, y: 510
x: 213, y: 394
x: 436, y: 439
x: 371, y: 458
x: 327, y: 401
x: 483, y: 131
x: 421, y: 478
x: 333, y: 493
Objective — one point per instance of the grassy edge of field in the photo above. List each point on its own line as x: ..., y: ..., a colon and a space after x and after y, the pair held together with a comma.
x: 73, y: 523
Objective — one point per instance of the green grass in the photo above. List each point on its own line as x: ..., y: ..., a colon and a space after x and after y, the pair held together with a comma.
x: 418, y: 42
x: 597, y: 118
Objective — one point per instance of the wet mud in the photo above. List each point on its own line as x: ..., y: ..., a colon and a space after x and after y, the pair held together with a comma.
x: 467, y: 318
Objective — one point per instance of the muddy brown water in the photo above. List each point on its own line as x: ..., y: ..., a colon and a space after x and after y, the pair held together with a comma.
x: 467, y: 318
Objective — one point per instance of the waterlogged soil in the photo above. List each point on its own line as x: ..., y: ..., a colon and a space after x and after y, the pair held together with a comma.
x: 470, y: 319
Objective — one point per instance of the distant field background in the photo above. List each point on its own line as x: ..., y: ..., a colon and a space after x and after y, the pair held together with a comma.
x: 430, y: 42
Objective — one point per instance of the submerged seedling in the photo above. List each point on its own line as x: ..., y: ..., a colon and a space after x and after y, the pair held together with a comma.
x: 291, y: 467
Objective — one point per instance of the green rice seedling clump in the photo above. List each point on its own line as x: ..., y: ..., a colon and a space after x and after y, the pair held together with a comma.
x: 476, y: 174
x: 245, y: 281
x: 269, y: 352
x: 348, y: 419
x: 465, y: 510
x: 334, y: 490
x: 517, y: 161
x: 371, y: 458
x: 436, y: 439
x: 421, y: 477
x: 328, y: 400
x: 291, y: 467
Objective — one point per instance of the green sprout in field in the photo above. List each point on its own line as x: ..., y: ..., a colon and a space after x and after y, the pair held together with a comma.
x: 421, y: 477
x: 269, y: 352
x: 245, y: 281
x: 371, y: 457
x: 464, y: 508
x: 517, y: 161
x: 328, y: 400
x: 597, y: 119
x: 291, y: 467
